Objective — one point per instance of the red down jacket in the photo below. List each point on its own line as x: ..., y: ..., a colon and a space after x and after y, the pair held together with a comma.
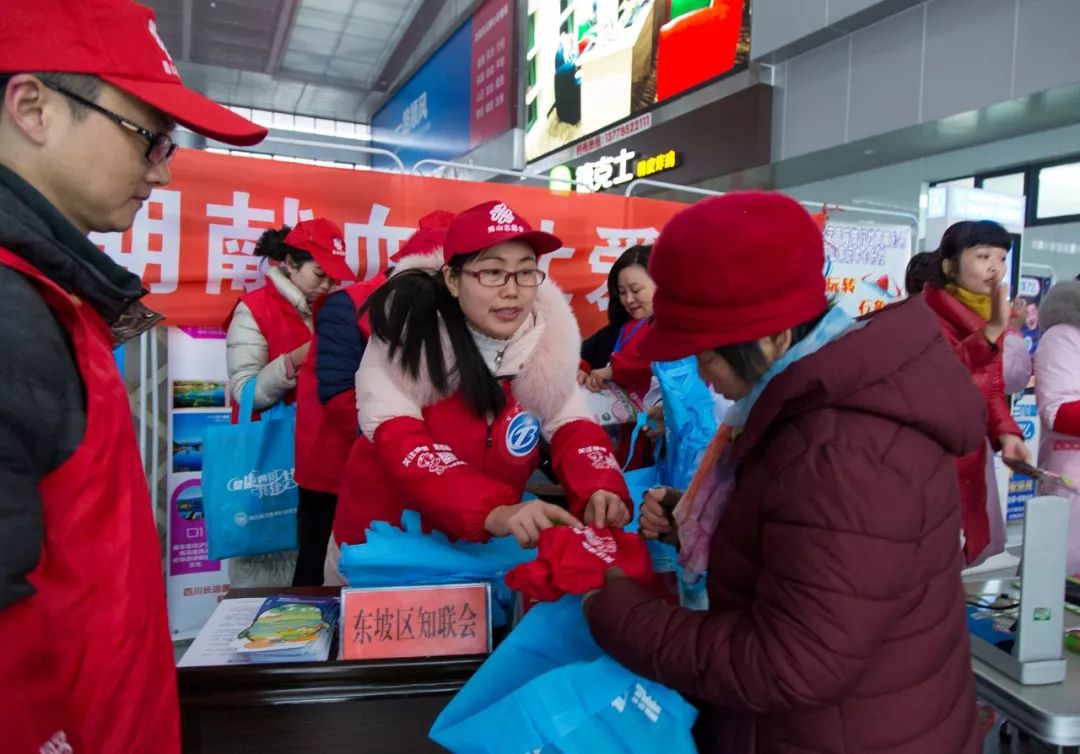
x: 963, y: 330
x: 431, y: 453
x: 836, y: 620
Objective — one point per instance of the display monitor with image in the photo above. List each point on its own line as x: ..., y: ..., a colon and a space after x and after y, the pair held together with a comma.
x: 593, y: 63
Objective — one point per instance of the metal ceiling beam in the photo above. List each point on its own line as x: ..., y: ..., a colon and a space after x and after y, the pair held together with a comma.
x: 408, y: 44
x: 188, y: 13
x: 286, y: 18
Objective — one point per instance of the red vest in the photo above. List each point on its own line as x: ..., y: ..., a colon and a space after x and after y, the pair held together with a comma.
x: 279, y: 322
x: 325, y: 432
x: 87, y: 660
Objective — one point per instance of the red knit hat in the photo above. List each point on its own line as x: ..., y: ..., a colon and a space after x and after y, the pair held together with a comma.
x: 491, y: 223
x: 734, y: 268
x: 323, y: 241
x: 429, y: 237
x: 116, y: 40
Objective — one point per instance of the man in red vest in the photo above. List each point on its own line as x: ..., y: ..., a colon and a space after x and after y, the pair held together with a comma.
x: 90, y: 96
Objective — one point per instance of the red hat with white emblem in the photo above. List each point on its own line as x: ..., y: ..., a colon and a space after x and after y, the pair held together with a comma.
x: 491, y: 223
x: 428, y: 239
x: 117, y: 41
x: 323, y: 240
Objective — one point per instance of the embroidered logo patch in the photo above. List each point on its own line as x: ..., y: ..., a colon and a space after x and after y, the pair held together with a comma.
x: 522, y: 434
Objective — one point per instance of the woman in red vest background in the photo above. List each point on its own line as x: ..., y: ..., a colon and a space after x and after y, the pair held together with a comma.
x: 326, y: 423
x: 269, y: 334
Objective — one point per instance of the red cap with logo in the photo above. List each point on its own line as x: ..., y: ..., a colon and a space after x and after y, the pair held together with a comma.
x: 491, y: 223
x: 117, y: 41
x: 429, y: 237
x: 323, y: 240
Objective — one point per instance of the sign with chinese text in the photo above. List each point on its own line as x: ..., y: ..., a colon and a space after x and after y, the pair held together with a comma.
x: 865, y: 265
x: 607, y: 171
x: 415, y: 621
x: 458, y: 99
x: 192, y: 242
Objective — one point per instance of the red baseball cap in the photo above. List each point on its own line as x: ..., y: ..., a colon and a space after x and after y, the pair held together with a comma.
x: 734, y: 268
x: 323, y: 240
x: 117, y: 41
x: 491, y: 223
x: 429, y: 237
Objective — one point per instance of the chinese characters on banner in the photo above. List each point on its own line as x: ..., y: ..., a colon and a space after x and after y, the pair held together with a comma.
x: 192, y: 242
x: 865, y: 265
x: 492, y: 37
x: 417, y: 621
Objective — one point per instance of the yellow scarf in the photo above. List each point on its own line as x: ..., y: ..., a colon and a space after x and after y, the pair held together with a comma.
x: 977, y: 302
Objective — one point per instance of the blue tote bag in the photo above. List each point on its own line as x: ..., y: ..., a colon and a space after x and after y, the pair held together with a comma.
x: 549, y: 688
x: 689, y: 420
x: 406, y: 556
x: 249, y: 493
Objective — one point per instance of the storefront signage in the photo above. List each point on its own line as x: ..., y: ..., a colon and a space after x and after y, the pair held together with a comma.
x: 610, y: 171
x: 415, y: 621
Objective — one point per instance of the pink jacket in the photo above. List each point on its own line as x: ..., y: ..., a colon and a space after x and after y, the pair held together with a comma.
x: 1057, y: 384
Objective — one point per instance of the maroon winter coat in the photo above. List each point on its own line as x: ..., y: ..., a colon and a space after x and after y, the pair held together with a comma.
x: 837, y: 610
x: 963, y: 330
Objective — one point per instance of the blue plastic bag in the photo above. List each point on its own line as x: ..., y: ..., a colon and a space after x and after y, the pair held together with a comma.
x: 689, y: 421
x: 549, y: 688
x: 249, y: 493
x: 407, y: 556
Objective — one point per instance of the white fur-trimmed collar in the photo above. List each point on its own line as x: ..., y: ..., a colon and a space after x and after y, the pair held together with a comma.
x: 288, y: 289
x: 542, y: 361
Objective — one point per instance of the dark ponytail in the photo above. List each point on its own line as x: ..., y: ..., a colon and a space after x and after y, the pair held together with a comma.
x: 405, y: 312
x: 271, y: 244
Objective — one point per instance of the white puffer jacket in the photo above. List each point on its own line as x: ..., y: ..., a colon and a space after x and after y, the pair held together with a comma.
x: 247, y: 353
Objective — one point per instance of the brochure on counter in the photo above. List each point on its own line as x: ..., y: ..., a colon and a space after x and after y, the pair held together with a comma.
x: 273, y: 630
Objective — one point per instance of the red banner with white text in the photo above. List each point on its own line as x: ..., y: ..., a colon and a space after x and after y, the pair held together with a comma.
x: 192, y: 241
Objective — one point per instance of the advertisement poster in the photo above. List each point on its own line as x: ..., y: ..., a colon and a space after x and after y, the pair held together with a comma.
x: 1035, y: 282
x: 192, y: 242
x: 593, y: 63
x: 865, y: 265
x: 198, y: 399
x: 458, y: 99
x: 1022, y: 488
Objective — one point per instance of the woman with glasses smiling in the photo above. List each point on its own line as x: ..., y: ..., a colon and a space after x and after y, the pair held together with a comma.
x: 467, y: 368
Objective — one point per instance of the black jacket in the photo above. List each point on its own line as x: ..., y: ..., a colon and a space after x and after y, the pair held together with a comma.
x: 42, y: 407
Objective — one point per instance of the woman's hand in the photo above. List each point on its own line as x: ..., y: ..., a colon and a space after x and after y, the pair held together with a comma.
x: 582, y: 375
x: 656, y: 521
x: 525, y: 521
x: 297, y: 355
x: 999, y: 313
x: 598, y: 379
x: 606, y: 509
x: 611, y: 575
x: 656, y: 416
x: 1017, y: 313
x: 1014, y: 449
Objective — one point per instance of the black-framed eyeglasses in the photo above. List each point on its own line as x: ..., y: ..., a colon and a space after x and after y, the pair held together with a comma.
x: 497, y: 278
x: 161, y: 146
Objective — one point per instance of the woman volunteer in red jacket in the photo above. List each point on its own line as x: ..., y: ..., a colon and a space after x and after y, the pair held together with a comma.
x: 452, y: 415
x: 825, y: 512
x: 269, y: 334
x: 326, y: 425
x: 973, y: 308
